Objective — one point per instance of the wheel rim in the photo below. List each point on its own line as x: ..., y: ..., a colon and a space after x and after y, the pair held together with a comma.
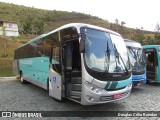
x: 21, y: 79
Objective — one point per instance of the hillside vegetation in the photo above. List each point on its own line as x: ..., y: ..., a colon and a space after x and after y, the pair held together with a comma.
x: 53, y: 19
x: 32, y: 22
x: 6, y: 63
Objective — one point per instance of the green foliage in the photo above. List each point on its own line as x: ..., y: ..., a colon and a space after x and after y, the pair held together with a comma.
x: 27, y: 26
x: 39, y: 27
x: 157, y: 36
x: 33, y: 26
x: 138, y: 36
x: 123, y: 23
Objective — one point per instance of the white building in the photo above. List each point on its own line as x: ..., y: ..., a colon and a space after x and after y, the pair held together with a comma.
x: 10, y: 27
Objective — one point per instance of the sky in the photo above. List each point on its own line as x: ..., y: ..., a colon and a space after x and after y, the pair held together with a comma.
x: 135, y: 13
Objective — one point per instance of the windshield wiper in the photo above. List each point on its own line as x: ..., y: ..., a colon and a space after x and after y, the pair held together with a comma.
x: 134, y: 53
x: 119, y: 56
x: 135, y: 56
x: 107, y: 57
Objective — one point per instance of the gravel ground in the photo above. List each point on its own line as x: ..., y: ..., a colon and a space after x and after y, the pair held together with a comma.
x: 15, y: 96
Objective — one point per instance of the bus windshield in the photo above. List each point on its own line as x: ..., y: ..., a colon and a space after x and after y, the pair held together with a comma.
x: 105, y: 52
x: 137, y: 58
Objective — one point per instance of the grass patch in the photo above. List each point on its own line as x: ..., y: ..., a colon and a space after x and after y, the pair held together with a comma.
x: 6, y: 67
x: 6, y: 63
x: 6, y: 74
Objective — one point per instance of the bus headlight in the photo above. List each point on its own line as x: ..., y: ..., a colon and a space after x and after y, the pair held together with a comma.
x: 94, y: 88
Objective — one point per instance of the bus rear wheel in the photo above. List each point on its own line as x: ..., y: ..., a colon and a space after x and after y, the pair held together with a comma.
x: 22, y: 79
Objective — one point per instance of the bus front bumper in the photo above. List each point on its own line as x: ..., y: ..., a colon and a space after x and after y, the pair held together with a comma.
x: 91, y: 98
x: 138, y: 80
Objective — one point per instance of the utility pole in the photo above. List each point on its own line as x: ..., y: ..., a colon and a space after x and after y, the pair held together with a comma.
x: 5, y: 41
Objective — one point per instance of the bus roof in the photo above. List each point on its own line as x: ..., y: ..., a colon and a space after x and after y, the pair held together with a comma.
x: 150, y: 46
x: 32, y: 40
x: 132, y: 43
x: 76, y: 25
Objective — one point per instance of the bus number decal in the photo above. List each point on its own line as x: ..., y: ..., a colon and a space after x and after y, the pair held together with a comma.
x: 25, y: 61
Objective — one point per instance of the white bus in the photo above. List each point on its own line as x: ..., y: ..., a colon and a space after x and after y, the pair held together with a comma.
x: 80, y: 62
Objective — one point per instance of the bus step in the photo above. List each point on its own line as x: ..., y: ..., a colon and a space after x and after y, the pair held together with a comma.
x: 76, y: 73
x: 75, y: 93
x: 76, y: 80
x: 76, y: 87
x: 75, y: 97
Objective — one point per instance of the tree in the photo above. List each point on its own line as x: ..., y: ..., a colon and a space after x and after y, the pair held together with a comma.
x: 5, y: 41
x: 122, y: 30
x: 39, y: 27
x: 116, y: 22
x: 123, y: 23
x: 157, y: 27
x: 157, y: 36
x: 27, y: 26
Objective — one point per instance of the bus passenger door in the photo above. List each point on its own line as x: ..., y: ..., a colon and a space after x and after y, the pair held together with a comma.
x: 55, y: 80
x: 152, y: 64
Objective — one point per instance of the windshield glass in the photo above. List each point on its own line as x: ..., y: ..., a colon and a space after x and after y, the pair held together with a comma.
x: 137, y: 58
x: 100, y: 53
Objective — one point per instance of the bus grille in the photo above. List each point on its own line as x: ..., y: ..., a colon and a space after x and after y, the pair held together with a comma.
x: 109, y: 98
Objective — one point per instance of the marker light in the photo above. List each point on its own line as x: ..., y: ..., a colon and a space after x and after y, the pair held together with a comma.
x: 130, y: 85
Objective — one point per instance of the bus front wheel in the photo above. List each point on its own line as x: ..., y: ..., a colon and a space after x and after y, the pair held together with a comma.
x: 148, y: 82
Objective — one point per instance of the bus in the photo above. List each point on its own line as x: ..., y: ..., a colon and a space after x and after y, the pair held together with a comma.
x: 153, y: 61
x: 81, y: 62
x: 138, y: 62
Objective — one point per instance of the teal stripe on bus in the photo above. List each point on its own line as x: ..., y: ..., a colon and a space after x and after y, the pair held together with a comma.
x: 113, y: 85
x: 107, y: 85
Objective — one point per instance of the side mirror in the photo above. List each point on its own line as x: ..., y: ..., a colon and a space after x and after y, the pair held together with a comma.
x: 82, y: 44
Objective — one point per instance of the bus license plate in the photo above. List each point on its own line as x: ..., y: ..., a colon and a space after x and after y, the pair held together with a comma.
x: 117, y: 95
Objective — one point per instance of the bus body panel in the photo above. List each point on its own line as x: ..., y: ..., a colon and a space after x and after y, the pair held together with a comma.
x: 35, y: 70
x: 138, y: 79
x: 158, y: 68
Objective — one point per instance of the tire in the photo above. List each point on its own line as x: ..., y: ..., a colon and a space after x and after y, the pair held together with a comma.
x: 22, y: 79
x: 148, y: 82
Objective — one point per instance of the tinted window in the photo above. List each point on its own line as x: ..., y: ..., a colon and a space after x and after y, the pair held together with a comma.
x: 41, y: 47
x: 69, y: 33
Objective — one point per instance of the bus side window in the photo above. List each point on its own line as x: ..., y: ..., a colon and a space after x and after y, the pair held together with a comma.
x: 55, y: 59
x: 55, y: 55
x: 68, y: 55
